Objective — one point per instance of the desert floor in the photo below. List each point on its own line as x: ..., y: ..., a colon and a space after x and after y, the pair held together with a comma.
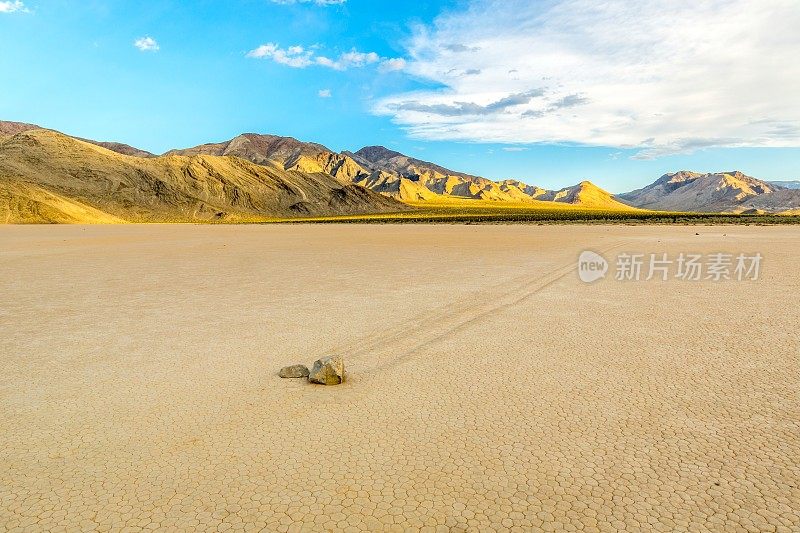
x: 489, y: 388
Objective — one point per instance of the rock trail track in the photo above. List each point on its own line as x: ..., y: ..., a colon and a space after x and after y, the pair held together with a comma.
x: 391, y: 348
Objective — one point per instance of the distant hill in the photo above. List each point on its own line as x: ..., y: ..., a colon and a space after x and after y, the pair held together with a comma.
x: 732, y: 192
x: 783, y: 201
x: 584, y: 194
x: 120, y: 148
x: 8, y: 129
x: 404, y: 175
x: 414, y: 180
x: 378, y: 157
x: 285, y: 153
x: 46, y: 176
x: 787, y: 184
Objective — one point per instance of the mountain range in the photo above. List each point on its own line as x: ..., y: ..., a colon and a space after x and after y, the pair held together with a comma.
x: 729, y: 192
x: 47, y: 176
x: 393, y: 174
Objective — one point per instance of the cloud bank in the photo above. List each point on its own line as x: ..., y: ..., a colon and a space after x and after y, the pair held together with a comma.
x: 301, y: 57
x: 663, y: 77
x: 13, y: 7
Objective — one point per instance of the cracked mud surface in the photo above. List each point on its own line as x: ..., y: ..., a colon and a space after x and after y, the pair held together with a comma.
x: 488, y: 388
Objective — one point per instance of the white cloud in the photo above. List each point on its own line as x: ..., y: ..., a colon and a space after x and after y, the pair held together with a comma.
x: 315, y: 2
x: 300, y: 57
x: 664, y: 77
x: 349, y: 59
x: 13, y: 7
x: 146, y: 44
x: 392, y: 64
x: 324, y: 93
x: 294, y: 56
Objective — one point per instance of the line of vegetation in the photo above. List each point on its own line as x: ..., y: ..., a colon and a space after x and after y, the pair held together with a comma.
x: 464, y: 215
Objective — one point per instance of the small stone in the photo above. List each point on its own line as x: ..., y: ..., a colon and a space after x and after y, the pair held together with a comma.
x: 294, y: 371
x: 328, y: 371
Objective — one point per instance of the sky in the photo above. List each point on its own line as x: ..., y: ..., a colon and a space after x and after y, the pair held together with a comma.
x: 551, y: 92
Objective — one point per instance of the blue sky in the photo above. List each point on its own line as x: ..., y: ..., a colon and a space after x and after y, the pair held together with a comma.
x: 505, y: 89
